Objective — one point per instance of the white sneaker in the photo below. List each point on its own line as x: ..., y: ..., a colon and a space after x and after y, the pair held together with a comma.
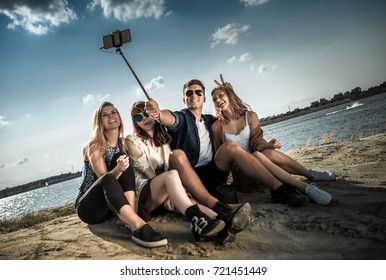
x: 319, y: 196
x: 322, y: 175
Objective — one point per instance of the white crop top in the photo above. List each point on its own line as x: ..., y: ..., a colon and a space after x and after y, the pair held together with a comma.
x: 242, y: 138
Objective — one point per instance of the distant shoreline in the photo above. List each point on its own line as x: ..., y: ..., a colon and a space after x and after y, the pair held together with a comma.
x: 301, y: 112
x: 338, y: 99
x: 39, y: 184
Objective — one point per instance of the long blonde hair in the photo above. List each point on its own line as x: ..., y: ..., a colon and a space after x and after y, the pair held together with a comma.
x: 98, y: 140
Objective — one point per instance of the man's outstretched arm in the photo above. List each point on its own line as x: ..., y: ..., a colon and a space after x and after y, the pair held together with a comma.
x: 165, y: 117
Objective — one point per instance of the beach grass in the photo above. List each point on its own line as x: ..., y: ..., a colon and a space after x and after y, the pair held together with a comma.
x: 33, y: 218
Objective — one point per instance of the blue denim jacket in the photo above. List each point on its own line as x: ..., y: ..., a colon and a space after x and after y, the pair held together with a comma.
x: 185, y: 134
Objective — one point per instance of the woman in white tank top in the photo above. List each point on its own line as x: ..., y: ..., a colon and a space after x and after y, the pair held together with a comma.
x: 238, y: 123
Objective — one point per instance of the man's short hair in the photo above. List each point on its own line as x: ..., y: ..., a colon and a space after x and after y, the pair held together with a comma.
x: 193, y: 82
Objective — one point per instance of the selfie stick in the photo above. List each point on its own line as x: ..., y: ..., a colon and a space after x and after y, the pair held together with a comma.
x: 132, y: 70
x: 117, y: 39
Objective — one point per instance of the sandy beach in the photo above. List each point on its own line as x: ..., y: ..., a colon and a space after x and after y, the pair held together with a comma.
x: 353, y: 226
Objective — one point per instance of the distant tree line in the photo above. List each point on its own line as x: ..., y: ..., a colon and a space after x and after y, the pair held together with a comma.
x: 323, y: 103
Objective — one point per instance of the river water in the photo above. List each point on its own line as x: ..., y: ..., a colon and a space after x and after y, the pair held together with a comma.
x: 361, y: 118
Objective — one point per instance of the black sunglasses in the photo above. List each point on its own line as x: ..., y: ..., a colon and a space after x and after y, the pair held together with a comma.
x: 139, y: 117
x: 190, y: 92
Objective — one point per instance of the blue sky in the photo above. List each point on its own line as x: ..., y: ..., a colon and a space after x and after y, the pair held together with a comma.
x: 278, y: 54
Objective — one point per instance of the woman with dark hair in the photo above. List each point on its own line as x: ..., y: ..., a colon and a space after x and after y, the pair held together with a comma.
x: 157, y: 186
x: 108, y: 185
x: 238, y: 123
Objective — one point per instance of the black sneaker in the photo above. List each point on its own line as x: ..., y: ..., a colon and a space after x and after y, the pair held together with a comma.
x: 146, y: 236
x: 236, y: 219
x: 201, y: 225
x: 288, y: 195
x: 203, y: 228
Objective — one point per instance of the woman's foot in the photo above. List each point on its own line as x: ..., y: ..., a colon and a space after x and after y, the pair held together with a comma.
x: 201, y: 225
x: 146, y: 236
x: 317, y: 195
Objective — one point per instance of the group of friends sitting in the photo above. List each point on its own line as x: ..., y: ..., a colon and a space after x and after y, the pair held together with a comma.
x: 174, y: 161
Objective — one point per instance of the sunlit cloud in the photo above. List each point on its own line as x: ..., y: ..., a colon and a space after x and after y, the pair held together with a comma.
x: 232, y: 60
x: 4, y: 122
x: 154, y: 84
x: 251, y: 3
x: 92, y: 98
x: 129, y: 10
x: 243, y: 58
x: 263, y: 67
x: 37, y: 17
x: 229, y: 34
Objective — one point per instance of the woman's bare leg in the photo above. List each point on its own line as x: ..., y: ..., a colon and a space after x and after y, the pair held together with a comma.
x: 280, y: 173
x: 230, y: 153
x: 287, y: 163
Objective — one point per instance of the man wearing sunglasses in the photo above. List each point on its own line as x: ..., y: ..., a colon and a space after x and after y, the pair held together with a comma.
x: 192, y: 156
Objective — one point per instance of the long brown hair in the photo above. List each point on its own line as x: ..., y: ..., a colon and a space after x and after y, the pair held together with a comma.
x: 160, y: 138
x: 239, y: 107
x: 98, y: 140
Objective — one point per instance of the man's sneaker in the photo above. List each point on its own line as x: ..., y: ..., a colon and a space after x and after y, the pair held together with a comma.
x: 146, y: 236
x: 201, y: 225
x: 236, y: 219
x: 288, y: 195
x: 322, y: 175
x: 319, y: 196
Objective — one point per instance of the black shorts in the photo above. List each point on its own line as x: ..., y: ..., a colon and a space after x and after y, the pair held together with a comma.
x: 211, y: 176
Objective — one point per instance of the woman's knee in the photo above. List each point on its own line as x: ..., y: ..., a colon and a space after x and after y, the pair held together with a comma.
x: 178, y: 156
x: 172, y: 175
x: 258, y: 155
x: 273, y: 155
x: 229, y: 148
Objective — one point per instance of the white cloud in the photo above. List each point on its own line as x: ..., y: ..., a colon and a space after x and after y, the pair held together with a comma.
x: 243, y: 58
x: 128, y: 10
x: 22, y: 161
x: 4, y: 122
x: 169, y: 13
x: 232, y: 60
x: 37, y: 17
x: 264, y: 67
x: 91, y: 98
x: 154, y: 84
x: 229, y: 34
x: 88, y: 99
x: 251, y: 3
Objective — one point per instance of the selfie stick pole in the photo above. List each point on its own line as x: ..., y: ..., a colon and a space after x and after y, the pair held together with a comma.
x: 139, y: 82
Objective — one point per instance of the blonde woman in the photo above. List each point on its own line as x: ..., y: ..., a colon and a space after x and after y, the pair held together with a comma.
x: 237, y: 123
x: 157, y: 186
x: 107, y: 186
